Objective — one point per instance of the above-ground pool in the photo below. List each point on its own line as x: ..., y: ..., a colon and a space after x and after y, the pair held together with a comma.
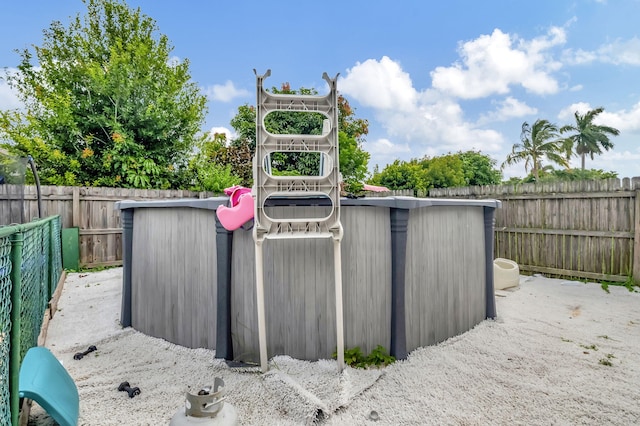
x: 415, y: 272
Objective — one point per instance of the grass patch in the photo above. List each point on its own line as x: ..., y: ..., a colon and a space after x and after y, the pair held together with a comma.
x: 92, y: 269
x: 378, y: 357
x: 590, y: 347
x: 607, y: 361
x: 628, y: 284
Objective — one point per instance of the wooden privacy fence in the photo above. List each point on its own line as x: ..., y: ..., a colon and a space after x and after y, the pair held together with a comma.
x: 580, y: 229
x: 89, y: 209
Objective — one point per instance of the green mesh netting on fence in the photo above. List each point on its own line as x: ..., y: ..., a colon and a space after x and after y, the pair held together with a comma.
x: 43, y: 265
x: 5, y: 326
x: 33, y: 301
x: 30, y: 269
x: 55, y: 256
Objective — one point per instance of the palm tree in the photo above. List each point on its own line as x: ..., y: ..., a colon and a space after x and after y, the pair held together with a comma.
x: 588, y: 138
x: 537, y: 142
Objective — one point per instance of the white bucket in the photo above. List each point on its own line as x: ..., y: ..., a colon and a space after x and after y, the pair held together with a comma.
x: 506, y: 273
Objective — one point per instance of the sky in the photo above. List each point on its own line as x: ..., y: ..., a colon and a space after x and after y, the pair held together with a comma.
x: 430, y: 77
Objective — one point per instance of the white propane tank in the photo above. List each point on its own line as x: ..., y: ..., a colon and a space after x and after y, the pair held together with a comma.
x: 206, y: 408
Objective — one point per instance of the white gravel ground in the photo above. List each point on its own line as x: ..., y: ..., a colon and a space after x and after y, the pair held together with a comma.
x: 559, y: 353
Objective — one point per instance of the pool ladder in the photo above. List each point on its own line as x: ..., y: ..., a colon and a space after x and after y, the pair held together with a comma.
x: 324, y: 186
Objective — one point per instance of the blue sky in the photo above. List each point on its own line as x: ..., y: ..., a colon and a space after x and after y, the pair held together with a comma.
x: 431, y: 77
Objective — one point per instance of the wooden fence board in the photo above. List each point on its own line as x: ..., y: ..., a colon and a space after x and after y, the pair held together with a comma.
x: 636, y: 245
x: 585, y: 229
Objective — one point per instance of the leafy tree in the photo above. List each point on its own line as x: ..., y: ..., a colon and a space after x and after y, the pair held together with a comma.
x: 353, y: 159
x: 294, y: 122
x: 537, y: 142
x: 444, y: 171
x: 244, y: 123
x: 479, y: 169
x: 104, y: 105
x: 401, y: 175
x: 19, y: 138
x: 282, y: 122
x: 548, y: 174
x: 206, y: 171
x: 353, y: 127
x: 353, y: 162
x: 239, y: 157
x: 585, y: 174
x: 588, y: 138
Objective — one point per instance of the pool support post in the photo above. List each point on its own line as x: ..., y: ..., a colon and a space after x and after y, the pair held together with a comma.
x: 127, y: 253
x: 489, y: 224
x: 399, y: 219
x: 224, y: 247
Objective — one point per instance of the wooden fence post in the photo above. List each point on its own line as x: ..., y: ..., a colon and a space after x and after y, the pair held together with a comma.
x: 636, y: 241
x: 76, y: 207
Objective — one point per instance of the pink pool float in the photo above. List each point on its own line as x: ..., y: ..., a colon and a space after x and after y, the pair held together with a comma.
x: 241, y: 210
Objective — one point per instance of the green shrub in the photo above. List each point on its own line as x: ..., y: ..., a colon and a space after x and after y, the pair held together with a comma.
x: 378, y: 357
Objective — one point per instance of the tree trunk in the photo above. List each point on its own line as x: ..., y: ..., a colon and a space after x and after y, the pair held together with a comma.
x: 582, y: 155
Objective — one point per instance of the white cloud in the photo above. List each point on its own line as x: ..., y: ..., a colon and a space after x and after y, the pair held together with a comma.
x: 626, y: 163
x: 223, y: 130
x: 8, y: 97
x: 507, y: 109
x: 615, y: 156
x: 440, y: 124
x: 383, y: 152
x: 492, y: 63
x: 623, y: 120
x: 568, y: 112
x: 380, y: 85
x: 619, y: 52
x: 226, y: 92
x: 384, y: 146
x: 623, y: 158
x: 578, y: 57
x: 426, y: 121
x: 512, y: 170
